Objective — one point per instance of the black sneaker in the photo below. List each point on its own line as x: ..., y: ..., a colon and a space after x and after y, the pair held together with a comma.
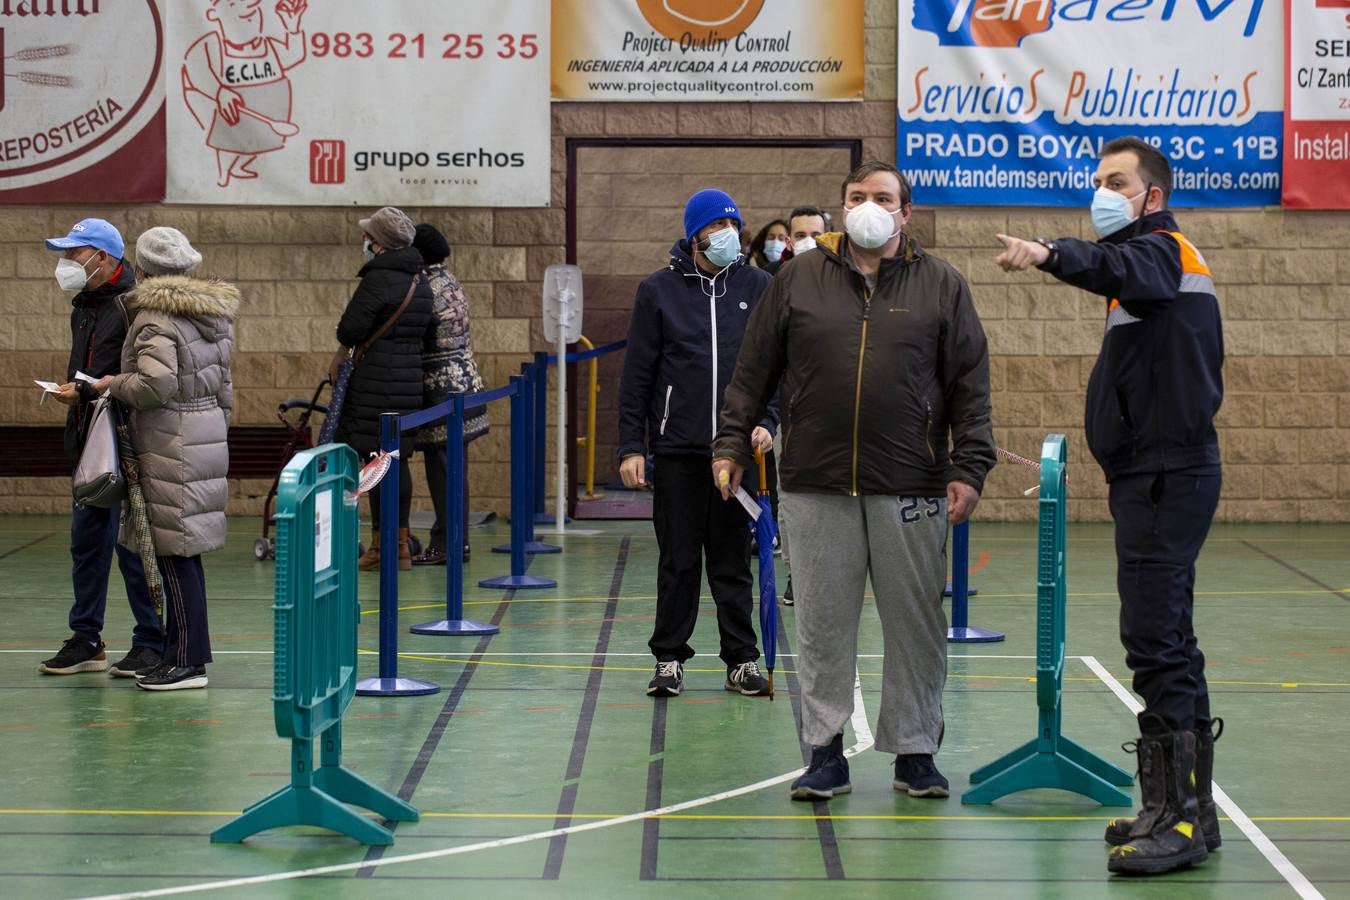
x: 76, y: 655
x: 669, y: 679
x: 916, y: 774
x: 787, y: 593
x: 827, y: 776
x: 140, y: 659
x: 746, y: 679
x: 168, y: 677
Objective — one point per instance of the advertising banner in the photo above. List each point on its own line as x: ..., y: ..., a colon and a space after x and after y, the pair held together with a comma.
x: 401, y: 102
x: 73, y: 127
x: 707, y: 50
x: 1317, y: 125
x: 1008, y: 101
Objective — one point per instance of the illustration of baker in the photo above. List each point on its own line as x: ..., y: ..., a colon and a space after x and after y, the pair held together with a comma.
x: 235, y: 83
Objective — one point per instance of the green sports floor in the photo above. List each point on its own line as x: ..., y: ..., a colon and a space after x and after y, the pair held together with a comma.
x: 535, y: 763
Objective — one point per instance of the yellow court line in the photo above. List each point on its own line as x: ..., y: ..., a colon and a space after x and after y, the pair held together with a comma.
x: 371, y: 612
x: 748, y: 817
x: 972, y: 676
x: 1083, y: 595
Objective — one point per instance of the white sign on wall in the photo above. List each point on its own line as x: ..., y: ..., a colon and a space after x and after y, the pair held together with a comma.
x: 416, y: 102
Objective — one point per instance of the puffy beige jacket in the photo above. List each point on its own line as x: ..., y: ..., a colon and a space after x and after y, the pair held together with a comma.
x: 176, y: 380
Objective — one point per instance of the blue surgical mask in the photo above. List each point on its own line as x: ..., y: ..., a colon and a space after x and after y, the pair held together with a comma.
x: 723, y: 247
x: 1112, y: 211
x: 773, y: 250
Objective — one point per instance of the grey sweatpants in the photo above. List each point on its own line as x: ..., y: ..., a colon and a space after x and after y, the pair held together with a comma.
x: 837, y: 541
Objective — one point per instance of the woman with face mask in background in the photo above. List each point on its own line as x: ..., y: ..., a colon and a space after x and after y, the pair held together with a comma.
x: 394, y: 334
x: 685, y: 334
x: 766, y: 250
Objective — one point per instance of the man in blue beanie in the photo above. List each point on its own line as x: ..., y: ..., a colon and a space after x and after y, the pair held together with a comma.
x: 685, y: 334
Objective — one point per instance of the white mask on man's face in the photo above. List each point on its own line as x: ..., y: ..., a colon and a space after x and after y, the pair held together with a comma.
x: 870, y: 225
x: 801, y: 245
x: 72, y: 276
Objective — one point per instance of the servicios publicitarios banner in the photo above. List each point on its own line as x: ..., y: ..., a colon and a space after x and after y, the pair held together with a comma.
x: 1009, y: 101
x: 320, y: 102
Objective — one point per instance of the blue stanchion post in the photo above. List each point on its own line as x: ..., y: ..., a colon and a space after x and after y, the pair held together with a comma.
x: 961, y: 631
x: 529, y: 385
x: 388, y: 683
x: 539, y: 446
x: 454, y: 622
x: 521, y: 498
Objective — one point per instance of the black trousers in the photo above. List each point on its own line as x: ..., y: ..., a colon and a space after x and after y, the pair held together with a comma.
x: 694, y: 524
x: 405, y: 492
x: 187, y: 635
x: 1161, y: 523
x: 93, y: 543
x: 434, y: 460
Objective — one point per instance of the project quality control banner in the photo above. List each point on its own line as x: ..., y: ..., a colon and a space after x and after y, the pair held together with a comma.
x: 73, y: 128
x: 707, y: 50
x: 329, y: 102
x: 1317, y: 128
x: 1008, y: 101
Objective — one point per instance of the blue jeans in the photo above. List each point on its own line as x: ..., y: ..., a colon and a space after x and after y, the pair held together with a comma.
x: 93, y: 541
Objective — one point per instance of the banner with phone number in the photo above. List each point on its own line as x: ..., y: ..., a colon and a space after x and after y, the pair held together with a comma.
x: 1008, y: 101
x: 327, y: 102
x: 1317, y: 128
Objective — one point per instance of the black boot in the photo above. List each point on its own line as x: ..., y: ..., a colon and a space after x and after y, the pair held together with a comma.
x: 1204, y: 783
x: 1166, y: 835
x: 1118, y: 830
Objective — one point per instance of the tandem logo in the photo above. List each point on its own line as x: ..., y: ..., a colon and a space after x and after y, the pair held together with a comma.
x: 1004, y: 23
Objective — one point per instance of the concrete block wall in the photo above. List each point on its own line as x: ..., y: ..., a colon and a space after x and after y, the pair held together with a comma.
x: 1283, y: 277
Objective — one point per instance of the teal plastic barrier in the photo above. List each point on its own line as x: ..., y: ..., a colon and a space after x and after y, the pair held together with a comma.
x: 1051, y: 760
x: 317, y: 614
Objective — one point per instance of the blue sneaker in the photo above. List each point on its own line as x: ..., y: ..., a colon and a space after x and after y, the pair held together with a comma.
x: 916, y: 775
x: 827, y: 776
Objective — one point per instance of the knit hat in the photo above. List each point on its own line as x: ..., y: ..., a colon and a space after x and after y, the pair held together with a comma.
x: 431, y: 244
x: 389, y: 227
x: 165, y: 251
x: 709, y: 205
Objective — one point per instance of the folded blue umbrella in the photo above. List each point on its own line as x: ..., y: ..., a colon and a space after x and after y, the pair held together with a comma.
x: 766, y: 533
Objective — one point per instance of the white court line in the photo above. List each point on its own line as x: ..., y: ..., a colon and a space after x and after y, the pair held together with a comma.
x: 586, y: 654
x: 863, y: 741
x: 1297, y: 880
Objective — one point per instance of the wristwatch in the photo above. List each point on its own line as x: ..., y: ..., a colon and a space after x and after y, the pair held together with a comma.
x: 1053, y: 259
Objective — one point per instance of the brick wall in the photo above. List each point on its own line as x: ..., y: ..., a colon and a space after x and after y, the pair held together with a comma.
x: 1283, y: 277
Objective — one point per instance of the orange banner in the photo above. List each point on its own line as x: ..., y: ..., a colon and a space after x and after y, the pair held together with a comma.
x: 707, y: 50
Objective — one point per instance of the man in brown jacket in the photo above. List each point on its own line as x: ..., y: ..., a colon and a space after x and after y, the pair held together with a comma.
x: 881, y: 357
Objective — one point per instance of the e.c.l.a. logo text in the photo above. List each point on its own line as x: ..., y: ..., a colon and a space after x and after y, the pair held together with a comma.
x: 1004, y: 23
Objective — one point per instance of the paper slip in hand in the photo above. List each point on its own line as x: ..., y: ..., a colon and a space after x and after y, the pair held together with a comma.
x: 48, y: 387
x: 80, y: 376
x: 749, y: 503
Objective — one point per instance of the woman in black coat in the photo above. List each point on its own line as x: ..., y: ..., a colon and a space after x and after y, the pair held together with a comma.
x: 389, y: 376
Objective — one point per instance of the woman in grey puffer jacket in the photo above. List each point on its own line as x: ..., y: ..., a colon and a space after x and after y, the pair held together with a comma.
x: 176, y: 381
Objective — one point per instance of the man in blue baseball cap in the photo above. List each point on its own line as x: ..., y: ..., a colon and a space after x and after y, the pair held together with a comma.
x: 683, y: 339
x: 91, y: 267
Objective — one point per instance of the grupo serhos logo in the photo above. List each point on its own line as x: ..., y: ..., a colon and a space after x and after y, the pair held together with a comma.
x: 399, y: 160
x: 1005, y: 23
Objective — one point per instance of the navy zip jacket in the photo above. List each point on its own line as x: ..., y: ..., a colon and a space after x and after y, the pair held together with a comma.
x: 1158, y: 381
x: 98, y: 325
x: 683, y: 341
